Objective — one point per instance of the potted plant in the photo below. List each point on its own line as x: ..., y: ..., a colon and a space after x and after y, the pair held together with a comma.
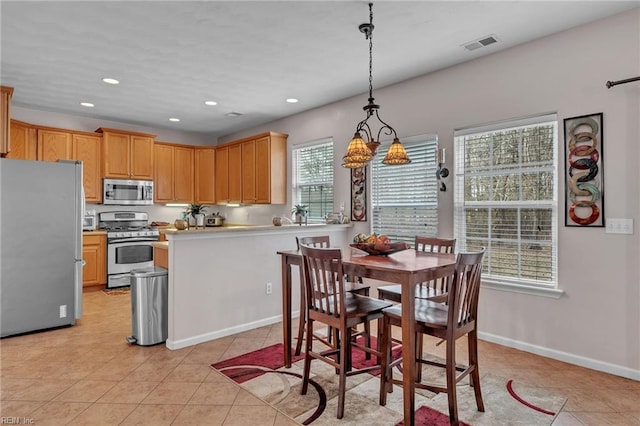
x: 300, y: 213
x: 197, y: 211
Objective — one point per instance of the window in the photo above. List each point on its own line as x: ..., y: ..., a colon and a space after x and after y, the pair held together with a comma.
x: 313, y: 177
x: 505, y: 200
x: 405, y: 198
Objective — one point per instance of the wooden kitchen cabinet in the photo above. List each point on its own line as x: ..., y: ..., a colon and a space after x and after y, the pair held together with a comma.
x: 54, y: 144
x: 94, y: 253
x: 228, y: 182
x: 127, y: 155
x: 255, y: 170
x: 222, y: 174
x: 60, y: 144
x: 265, y: 169
x: 6, y: 93
x: 24, y: 141
x: 204, y: 173
x: 173, y: 175
x: 87, y: 148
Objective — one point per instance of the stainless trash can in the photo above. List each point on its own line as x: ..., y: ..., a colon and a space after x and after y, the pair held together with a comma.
x: 149, y: 306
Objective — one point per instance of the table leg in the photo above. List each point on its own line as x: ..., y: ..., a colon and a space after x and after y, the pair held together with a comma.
x: 408, y: 352
x: 286, y: 310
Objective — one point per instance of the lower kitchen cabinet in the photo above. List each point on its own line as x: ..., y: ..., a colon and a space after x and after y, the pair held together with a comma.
x: 94, y: 253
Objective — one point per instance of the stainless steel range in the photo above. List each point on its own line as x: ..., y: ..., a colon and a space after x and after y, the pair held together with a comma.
x: 129, y: 244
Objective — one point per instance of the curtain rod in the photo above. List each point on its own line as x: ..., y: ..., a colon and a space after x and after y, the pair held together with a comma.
x: 610, y: 84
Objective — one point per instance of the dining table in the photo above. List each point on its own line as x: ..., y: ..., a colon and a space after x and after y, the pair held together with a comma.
x: 408, y: 268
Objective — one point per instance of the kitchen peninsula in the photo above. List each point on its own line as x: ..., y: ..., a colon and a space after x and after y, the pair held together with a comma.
x: 218, y: 278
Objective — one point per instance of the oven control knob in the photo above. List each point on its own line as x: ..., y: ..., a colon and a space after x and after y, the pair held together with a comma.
x: 136, y: 234
x: 120, y: 234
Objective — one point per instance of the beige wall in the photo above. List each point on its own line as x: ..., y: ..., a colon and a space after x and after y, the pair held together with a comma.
x: 596, y: 322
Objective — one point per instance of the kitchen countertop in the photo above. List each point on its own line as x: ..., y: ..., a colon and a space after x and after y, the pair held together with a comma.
x: 96, y: 232
x: 245, y: 228
x: 161, y: 244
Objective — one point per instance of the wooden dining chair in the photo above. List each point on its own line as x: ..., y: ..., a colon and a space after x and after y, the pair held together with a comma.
x: 449, y: 321
x: 330, y: 303
x: 429, y: 290
x: 354, y: 285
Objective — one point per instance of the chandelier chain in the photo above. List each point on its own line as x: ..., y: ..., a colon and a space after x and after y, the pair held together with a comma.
x: 370, y: 37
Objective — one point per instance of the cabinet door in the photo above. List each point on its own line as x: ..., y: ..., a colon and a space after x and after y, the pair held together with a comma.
x: 94, y: 255
x: 24, y: 141
x: 86, y: 148
x: 205, y: 175
x: 222, y: 175
x: 6, y: 93
x: 54, y: 145
x: 249, y: 172
x: 263, y: 171
x: 235, y: 173
x: 183, y: 174
x: 116, y: 155
x: 163, y: 179
x: 141, y: 157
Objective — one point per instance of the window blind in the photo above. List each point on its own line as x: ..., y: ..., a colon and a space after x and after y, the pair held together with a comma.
x: 506, y: 199
x: 313, y: 178
x: 405, y: 198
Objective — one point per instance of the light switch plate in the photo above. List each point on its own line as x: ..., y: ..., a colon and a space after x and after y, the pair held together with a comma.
x: 619, y: 226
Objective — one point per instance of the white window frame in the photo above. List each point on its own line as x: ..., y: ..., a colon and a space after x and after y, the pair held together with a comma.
x: 424, y: 219
x: 296, y: 185
x: 501, y: 282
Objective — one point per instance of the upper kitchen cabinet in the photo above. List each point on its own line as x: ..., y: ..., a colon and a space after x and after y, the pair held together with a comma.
x: 24, y: 141
x: 6, y: 93
x: 127, y: 155
x: 264, y: 169
x: 228, y: 174
x: 86, y: 148
x: 205, y: 158
x: 54, y: 144
x: 60, y: 144
x: 173, y: 175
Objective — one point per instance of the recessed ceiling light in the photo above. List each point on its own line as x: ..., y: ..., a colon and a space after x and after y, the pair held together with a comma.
x: 174, y: 119
x: 87, y: 104
x: 210, y: 103
x: 292, y: 100
x: 110, y: 80
x: 233, y: 114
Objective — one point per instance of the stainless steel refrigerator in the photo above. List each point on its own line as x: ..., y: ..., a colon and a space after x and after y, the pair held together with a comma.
x: 41, y: 209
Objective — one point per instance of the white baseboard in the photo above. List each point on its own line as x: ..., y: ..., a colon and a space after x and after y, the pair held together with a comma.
x: 183, y: 343
x: 593, y: 364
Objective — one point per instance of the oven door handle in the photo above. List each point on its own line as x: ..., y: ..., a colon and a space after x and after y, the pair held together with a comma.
x: 132, y: 240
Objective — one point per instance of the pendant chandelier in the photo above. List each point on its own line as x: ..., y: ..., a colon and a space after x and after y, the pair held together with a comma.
x: 359, y: 152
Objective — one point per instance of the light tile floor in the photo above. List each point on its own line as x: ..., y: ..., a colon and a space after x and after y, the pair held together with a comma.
x: 89, y: 375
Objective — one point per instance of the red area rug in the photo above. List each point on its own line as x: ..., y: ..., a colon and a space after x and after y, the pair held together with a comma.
x: 262, y: 373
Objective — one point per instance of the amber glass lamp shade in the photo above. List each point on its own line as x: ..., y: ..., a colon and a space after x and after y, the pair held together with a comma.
x: 396, y: 154
x: 357, y: 151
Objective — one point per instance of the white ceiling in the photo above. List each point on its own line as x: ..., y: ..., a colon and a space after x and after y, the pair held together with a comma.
x: 248, y: 56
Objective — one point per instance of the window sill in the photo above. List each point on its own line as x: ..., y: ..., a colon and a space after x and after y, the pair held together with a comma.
x: 553, y: 293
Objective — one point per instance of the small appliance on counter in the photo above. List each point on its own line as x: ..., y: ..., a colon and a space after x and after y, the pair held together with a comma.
x: 214, y: 220
x: 89, y: 223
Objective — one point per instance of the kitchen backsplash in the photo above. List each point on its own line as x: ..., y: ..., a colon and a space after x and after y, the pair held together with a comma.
x: 243, y: 215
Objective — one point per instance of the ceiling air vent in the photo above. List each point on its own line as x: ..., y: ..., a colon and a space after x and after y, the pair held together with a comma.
x: 482, y: 42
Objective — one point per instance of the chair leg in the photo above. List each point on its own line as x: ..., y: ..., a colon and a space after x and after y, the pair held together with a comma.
x: 367, y: 339
x: 384, y: 343
x: 336, y: 345
x: 419, y: 349
x: 342, y: 381
x: 307, y: 358
x: 301, y: 322
x: 451, y: 381
x: 472, y: 338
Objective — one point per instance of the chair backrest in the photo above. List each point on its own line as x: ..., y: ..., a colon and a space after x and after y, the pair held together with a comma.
x: 435, y: 245
x: 464, y: 290
x: 324, y: 280
x: 317, y: 241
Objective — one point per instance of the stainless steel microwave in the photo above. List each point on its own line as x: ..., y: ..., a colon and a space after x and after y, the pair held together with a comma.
x: 127, y: 192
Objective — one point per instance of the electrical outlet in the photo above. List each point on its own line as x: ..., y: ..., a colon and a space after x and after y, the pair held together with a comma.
x: 269, y: 288
x: 63, y: 311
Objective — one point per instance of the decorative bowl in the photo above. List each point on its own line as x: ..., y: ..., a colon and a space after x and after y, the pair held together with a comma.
x: 385, y: 250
